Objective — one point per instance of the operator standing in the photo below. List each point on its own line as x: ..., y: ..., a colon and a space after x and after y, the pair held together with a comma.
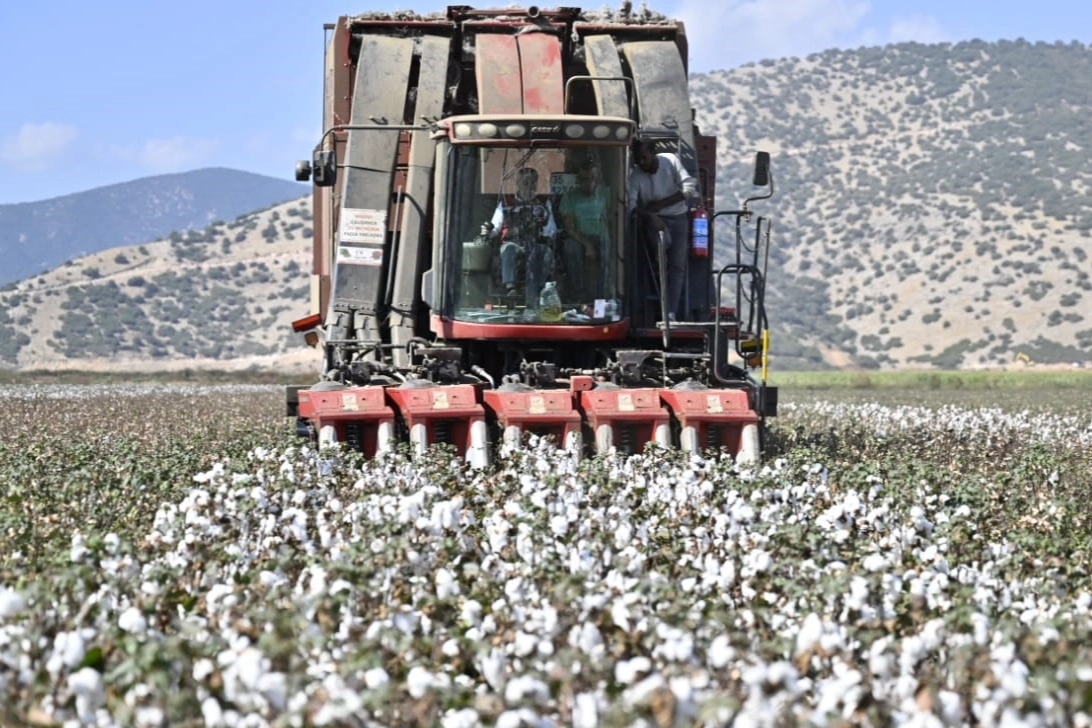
x: 659, y: 189
x: 526, y: 227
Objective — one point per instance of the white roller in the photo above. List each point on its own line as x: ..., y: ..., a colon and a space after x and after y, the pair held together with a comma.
x: 327, y: 437
x: 748, y: 446
x: 384, y: 438
x: 477, y: 454
x: 662, y: 435
x: 418, y: 438
x: 688, y: 439
x: 604, y: 439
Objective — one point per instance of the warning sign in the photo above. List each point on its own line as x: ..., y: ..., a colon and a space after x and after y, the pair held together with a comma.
x: 360, y: 254
x: 363, y: 226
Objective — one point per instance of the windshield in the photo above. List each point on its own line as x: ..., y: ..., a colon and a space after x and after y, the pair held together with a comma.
x: 533, y: 235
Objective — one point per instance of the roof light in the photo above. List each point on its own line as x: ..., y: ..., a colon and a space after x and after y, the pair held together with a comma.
x: 515, y: 130
x: 601, y: 131
x: 487, y: 130
x: 621, y: 133
x: 574, y: 131
x: 463, y: 130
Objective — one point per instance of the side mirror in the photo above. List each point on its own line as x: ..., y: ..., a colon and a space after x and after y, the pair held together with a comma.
x: 303, y: 171
x: 762, y: 169
x: 324, y: 167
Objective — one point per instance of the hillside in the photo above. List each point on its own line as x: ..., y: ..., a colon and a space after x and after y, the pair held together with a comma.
x: 37, y: 236
x: 934, y: 202
x: 933, y: 209
x: 221, y: 297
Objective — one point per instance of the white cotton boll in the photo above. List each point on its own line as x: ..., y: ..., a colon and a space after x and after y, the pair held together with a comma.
x: 981, y: 627
x: 68, y: 651
x: 211, y: 711
x: 78, y: 549
x: 623, y: 534
x: 273, y: 686
x: 1084, y: 602
x: 375, y: 678
x: 418, y: 681
x: 559, y: 525
x: 524, y: 644
x: 11, y: 603
x: 950, y: 707
x: 619, y: 614
x: 811, y: 629
x: 471, y: 612
x: 492, y: 667
x: 881, y: 663
x: 132, y: 621
x: 641, y: 693
x: 86, y: 683
x: 526, y: 687
x: 626, y: 671
x: 585, y: 711
x: 202, y: 668
x: 450, y: 648
x: 149, y: 716
x: 720, y: 652
x: 446, y: 586
x: 874, y: 562
x: 858, y: 593
x: 587, y: 638
x: 517, y: 718
x: 464, y: 718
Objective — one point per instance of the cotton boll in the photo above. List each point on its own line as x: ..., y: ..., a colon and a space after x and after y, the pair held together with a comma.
x: 492, y: 666
x: 11, y: 603
x: 132, y: 621
x: 811, y: 629
x: 87, y: 685
x: 626, y: 671
x: 375, y: 678
x: 585, y: 712
x: 418, y: 681
x: 464, y: 718
x: 446, y: 586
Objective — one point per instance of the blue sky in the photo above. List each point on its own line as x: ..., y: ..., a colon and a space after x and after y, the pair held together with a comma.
x: 106, y: 92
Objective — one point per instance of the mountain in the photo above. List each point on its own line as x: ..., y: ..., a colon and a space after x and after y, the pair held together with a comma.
x: 933, y: 208
x: 934, y: 202
x: 36, y: 236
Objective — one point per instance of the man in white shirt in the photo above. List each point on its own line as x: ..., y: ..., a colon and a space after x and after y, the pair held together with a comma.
x: 659, y: 191
x: 526, y: 227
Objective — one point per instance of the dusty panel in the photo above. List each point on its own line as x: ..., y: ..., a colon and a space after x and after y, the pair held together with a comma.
x: 663, y: 97
x: 602, y: 58
x: 379, y: 93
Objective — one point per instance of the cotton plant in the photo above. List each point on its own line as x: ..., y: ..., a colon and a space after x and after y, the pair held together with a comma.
x: 663, y: 588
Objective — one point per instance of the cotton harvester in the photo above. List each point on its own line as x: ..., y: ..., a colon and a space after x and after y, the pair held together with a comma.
x: 428, y: 335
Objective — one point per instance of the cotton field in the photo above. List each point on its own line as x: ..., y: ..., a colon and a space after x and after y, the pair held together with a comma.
x: 887, y: 565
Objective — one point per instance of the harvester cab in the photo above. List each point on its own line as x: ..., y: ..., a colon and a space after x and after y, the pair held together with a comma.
x: 477, y: 274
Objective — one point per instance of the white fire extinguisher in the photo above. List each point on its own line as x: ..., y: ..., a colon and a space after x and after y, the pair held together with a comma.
x: 699, y: 233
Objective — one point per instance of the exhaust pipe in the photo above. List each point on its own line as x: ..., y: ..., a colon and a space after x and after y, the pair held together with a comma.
x: 533, y: 12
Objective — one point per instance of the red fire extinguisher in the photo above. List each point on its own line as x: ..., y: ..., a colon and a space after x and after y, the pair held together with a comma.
x: 699, y: 233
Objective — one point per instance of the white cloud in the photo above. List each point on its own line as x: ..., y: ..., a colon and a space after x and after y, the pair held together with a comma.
x: 921, y: 28
x: 728, y: 34
x: 37, y: 147
x: 176, y: 153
